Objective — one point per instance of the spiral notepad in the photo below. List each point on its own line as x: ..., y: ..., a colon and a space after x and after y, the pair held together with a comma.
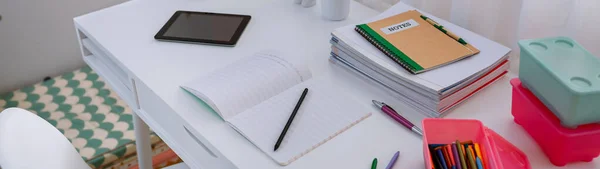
x: 416, y: 42
x: 256, y: 96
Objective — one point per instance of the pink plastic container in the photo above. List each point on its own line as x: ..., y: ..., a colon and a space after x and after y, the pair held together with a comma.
x: 561, y: 145
x: 500, y: 153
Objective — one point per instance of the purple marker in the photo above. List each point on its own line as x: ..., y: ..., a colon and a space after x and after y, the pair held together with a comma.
x: 456, y: 157
x: 393, y: 161
x: 393, y: 114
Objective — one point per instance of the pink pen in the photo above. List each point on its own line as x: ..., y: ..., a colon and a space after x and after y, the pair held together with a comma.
x: 392, y: 113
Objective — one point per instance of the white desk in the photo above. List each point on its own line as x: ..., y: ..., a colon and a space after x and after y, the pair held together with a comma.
x: 118, y: 44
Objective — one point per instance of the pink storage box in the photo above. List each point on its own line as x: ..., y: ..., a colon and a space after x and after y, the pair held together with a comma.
x: 500, y: 153
x: 561, y: 145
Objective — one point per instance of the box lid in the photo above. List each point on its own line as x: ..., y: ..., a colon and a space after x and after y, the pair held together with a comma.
x: 506, y: 154
x: 569, y: 63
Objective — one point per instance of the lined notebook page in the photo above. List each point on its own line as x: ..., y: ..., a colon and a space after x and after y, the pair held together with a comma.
x: 245, y: 83
x: 325, y: 113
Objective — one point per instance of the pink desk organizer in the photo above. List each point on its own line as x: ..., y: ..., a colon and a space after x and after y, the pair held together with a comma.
x: 500, y: 153
x: 561, y: 145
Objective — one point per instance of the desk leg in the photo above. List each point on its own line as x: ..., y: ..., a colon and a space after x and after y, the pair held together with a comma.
x: 142, y: 142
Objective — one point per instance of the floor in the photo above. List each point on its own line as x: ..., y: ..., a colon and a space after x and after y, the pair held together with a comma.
x: 90, y: 115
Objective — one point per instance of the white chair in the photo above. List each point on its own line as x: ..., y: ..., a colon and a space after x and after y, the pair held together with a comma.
x: 30, y: 142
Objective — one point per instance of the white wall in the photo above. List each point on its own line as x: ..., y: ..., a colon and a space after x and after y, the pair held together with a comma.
x: 577, y: 19
x: 379, y: 5
x: 37, y: 39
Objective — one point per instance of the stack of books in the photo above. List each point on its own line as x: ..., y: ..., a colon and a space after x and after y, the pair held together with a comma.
x: 430, y: 64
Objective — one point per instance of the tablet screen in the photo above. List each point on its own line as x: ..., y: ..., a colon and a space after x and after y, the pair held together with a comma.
x: 204, y: 27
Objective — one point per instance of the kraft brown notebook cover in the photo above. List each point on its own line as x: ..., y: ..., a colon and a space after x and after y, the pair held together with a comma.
x: 416, y: 42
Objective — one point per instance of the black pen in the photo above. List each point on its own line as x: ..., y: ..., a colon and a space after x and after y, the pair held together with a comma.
x: 289, y: 122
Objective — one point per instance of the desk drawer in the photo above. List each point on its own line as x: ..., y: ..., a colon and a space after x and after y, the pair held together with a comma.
x: 195, y: 150
x: 101, y: 62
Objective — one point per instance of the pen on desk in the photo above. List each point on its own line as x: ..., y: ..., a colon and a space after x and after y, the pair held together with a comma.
x: 393, y: 160
x: 374, y: 164
x: 392, y: 113
x: 289, y: 122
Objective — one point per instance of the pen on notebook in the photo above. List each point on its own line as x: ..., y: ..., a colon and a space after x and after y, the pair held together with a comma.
x: 374, y: 164
x: 393, y: 160
x: 441, y: 28
x: 289, y: 122
x: 392, y: 113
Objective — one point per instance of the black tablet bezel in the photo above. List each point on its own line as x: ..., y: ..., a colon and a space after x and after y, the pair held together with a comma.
x: 236, y: 36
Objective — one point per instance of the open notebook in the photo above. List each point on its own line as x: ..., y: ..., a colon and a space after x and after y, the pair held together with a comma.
x: 256, y: 96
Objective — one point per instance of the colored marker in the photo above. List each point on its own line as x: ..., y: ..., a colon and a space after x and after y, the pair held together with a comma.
x: 374, y: 164
x: 438, y: 164
x: 436, y: 160
x: 431, y: 161
x: 478, y: 161
x: 435, y: 145
x: 480, y: 155
x: 467, y: 142
x: 456, y: 157
x: 446, y: 157
x: 450, y: 155
x: 441, y: 157
x: 471, y: 157
x: 461, y: 155
x: 393, y: 160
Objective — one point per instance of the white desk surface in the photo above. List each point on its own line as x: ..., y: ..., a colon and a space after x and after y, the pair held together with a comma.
x: 127, y: 31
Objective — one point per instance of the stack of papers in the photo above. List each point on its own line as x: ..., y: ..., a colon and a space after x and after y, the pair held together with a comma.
x: 433, y: 92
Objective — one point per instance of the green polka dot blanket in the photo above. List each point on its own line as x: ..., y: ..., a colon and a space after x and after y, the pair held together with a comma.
x: 83, y: 107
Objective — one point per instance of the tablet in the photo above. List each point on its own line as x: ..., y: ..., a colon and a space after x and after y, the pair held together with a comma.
x: 204, y: 27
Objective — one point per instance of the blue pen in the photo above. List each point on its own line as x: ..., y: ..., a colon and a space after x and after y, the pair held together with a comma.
x: 442, y: 159
x: 393, y: 161
x: 478, y: 161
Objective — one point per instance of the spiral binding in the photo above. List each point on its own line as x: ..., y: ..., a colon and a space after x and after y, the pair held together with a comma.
x: 385, y: 50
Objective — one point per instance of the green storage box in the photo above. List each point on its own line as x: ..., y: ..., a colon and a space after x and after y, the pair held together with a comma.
x: 565, y: 76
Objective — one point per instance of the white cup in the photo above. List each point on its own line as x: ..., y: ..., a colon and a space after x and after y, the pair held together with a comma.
x: 335, y: 10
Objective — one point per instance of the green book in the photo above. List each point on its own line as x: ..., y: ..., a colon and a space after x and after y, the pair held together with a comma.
x: 416, y: 42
